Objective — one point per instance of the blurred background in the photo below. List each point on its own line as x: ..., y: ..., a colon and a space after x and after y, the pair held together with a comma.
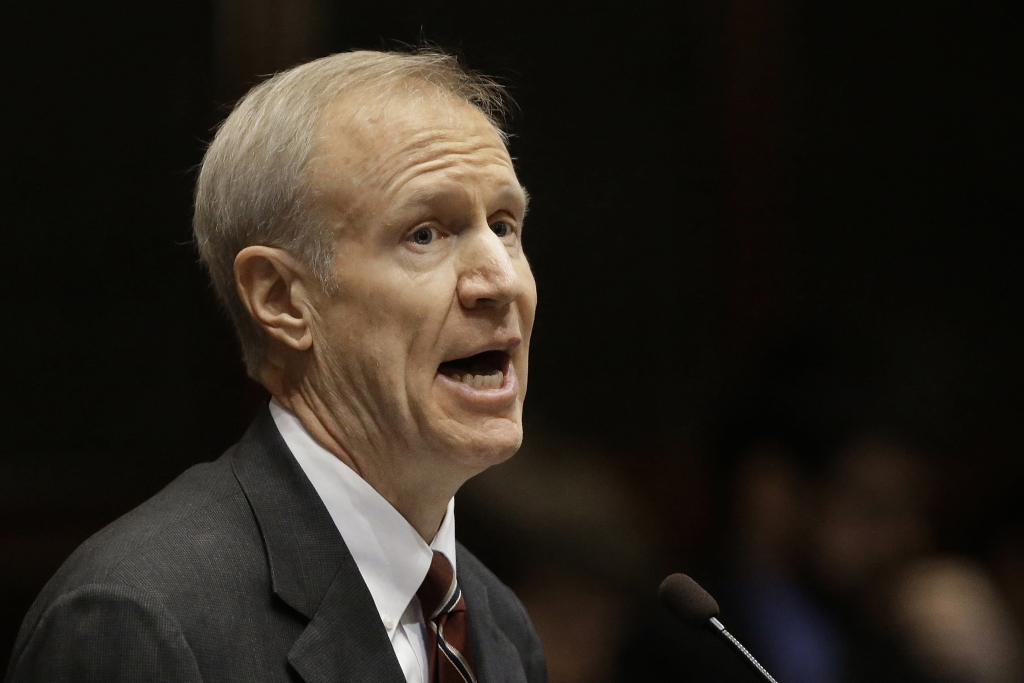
x: 778, y: 246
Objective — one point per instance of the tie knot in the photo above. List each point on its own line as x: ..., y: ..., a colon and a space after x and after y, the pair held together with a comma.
x: 439, y: 593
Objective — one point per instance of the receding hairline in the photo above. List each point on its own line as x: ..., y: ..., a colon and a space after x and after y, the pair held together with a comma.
x: 355, y: 114
x: 369, y: 103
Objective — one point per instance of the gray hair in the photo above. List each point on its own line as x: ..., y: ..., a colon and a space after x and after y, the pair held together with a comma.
x: 253, y: 188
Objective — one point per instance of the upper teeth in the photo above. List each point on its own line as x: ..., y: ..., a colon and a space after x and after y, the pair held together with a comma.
x: 493, y: 380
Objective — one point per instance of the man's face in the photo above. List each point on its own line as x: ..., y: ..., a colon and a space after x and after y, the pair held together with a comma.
x: 424, y: 346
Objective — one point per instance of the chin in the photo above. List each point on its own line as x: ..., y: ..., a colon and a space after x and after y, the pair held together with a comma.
x: 490, y: 442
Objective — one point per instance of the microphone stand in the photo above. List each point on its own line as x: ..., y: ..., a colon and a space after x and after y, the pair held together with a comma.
x: 720, y: 628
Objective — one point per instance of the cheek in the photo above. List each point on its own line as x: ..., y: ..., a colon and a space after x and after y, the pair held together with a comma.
x: 391, y: 318
x: 528, y: 302
x: 412, y: 319
x: 361, y: 325
x: 383, y: 298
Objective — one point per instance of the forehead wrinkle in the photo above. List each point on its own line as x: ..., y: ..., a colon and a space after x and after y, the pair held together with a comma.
x: 367, y: 150
x: 435, y: 152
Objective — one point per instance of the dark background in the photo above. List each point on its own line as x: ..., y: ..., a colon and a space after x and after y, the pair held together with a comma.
x: 804, y: 215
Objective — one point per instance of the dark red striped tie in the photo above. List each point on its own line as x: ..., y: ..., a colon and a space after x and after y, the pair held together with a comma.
x: 447, y: 633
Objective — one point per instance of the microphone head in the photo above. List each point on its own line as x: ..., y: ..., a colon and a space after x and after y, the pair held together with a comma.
x: 687, y: 600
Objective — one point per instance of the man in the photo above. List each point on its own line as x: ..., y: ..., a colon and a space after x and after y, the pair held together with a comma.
x: 362, y: 223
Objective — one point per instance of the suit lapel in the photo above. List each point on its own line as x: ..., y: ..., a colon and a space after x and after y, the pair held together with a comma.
x: 495, y: 658
x: 340, y: 643
x: 311, y: 569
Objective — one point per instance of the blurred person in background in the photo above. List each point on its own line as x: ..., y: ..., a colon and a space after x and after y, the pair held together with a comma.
x: 956, y: 624
x: 834, y: 576
x: 796, y: 638
x: 869, y: 519
x: 759, y: 579
x: 904, y: 605
x: 808, y: 551
x: 755, y: 571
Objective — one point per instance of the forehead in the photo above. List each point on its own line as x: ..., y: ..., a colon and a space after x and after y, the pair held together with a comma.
x: 384, y: 142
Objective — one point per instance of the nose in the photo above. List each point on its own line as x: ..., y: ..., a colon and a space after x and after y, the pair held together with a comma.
x: 489, y: 277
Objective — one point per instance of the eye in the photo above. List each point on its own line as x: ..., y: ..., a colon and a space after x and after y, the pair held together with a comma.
x: 501, y: 229
x: 423, y: 236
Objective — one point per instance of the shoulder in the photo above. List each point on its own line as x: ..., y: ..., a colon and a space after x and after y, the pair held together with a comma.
x: 201, y: 515
x: 127, y: 635
x: 178, y: 556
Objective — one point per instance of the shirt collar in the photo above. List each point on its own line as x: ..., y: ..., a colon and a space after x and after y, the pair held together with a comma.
x: 391, y: 556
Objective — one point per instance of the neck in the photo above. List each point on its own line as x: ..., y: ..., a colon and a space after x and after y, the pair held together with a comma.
x: 420, y: 494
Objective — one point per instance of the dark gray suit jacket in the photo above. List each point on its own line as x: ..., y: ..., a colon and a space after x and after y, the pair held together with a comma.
x: 236, y: 572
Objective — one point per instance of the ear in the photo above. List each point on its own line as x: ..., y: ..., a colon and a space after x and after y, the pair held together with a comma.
x: 273, y: 286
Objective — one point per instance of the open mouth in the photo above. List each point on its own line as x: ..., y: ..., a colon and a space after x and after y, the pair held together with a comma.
x: 480, y: 371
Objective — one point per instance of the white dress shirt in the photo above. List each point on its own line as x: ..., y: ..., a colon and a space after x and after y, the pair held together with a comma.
x: 392, y: 557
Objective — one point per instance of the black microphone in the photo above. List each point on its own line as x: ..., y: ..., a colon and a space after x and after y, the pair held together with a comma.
x: 692, y: 604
